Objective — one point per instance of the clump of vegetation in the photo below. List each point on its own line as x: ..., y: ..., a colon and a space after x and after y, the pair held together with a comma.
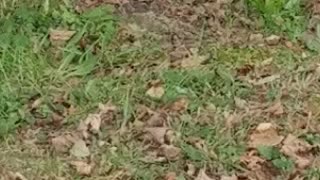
x: 281, y: 16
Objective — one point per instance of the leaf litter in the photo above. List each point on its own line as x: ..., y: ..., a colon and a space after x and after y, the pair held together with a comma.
x: 155, y: 123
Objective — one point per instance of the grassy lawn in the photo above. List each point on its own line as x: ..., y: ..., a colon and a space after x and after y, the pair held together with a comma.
x: 89, y: 93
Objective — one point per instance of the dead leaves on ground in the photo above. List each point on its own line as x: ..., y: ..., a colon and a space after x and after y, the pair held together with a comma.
x: 77, y: 142
x: 267, y: 135
x: 59, y: 37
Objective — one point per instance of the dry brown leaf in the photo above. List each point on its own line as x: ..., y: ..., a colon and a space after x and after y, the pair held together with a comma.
x: 233, y: 177
x: 80, y: 149
x: 179, y: 106
x: 157, y: 120
x: 155, y: 91
x: 273, y: 40
x: 258, y: 168
x: 58, y: 37
x: 298, y: 150
x: 191, y: 169
x: 15, y: 176
x: 82, y: 168
x: 265, y: 135
x: 92, y: 123
x: 171, y: 152
x: 203, y: 176
x: 171, y: 176
x: 266, y: 80
x: 158, y: 133
x: 36, y: 103
x: 62, y: 143
x: 275, y: 109
x: 194, y: 60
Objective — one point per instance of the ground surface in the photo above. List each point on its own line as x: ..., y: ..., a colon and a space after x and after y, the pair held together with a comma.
x: 159, y: 89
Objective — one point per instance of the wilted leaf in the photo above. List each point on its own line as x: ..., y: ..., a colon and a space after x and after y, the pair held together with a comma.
x: 94, y: 122
x: 15, y: 176
x: 194, y: 60
x: 171, y: 152
x: 82, y: 167
x: 191, y: 169
x: 58, y: 37
x: 203, y: 176
x: 233, y: 177
x: 265, y: 135
x: 266, y: 80
x: 179, y: 105
x: 298, y: 150
x: 158, y: 133
x: 62, y: 143
x: 155, y: 91
x: 275, y: 109
x: 171, y: 176
x: 80, y: 149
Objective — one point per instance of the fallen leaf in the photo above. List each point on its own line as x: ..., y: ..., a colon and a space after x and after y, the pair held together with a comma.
x: 157, y: 120
x: 273, y: 40
x: 171, y: 152
x: 265, y: 135
x: 233, y: 177
x: 258, y: 168
x: 82, y: 168
x: 158, y: 133
x: 80, y: 149
x: 203, y: 176
x: 191, y: 169
x: 266, y: 80
x: 92, y: 123
x: 155, y: 91
x: 62, y: 143
x: 16, y: 176
x: 194, y: 59
x: 298, y: 150
x: 275, y: 109
x: 179, y: 105
x: 36, y: 103
x: 58, y: 37
x: 171, y: 176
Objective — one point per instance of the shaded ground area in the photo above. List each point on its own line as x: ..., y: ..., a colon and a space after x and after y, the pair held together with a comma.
x: 156, y: 89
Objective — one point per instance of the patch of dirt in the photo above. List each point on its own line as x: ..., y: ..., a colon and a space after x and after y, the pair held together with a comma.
x: 193, y: 22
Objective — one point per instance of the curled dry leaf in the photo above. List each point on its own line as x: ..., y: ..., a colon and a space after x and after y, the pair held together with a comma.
x: 82, y: 168
x: 171, y: 152
x: 275, y: 109
x: 92, y: 123
x: 156, y: 91
x: 233, y: 177
x: 191, y: 169
x: 16, y: 176
x: 298, y: 150
x: 158, y: 133
x: 171, y: 176
x: 265, y: 80
x: 62, y: 143
x: 203, y: 175
x: 265, y: 135
x: 80, y: 149
x: 157, y: 120
x: 194, y: 60
x: 259, y: 169
x: 58, y: 37
x: 179, y: 105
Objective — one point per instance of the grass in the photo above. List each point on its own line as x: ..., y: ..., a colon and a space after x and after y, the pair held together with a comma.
x: 102, y: 71
x: 282, y: 16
